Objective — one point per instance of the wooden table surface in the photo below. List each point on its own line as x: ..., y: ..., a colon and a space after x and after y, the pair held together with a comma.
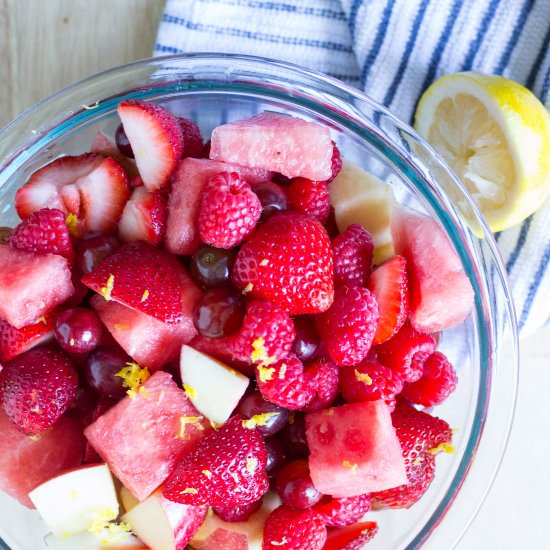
x: 47, y: 44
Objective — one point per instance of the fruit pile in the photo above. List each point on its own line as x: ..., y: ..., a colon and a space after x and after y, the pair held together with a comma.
x: 234, y: 331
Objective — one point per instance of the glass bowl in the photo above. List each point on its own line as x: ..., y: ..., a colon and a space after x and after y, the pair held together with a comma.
x: 212, y: 89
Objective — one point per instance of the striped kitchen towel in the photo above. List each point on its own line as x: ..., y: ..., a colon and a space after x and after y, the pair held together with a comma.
x: 393, y: 49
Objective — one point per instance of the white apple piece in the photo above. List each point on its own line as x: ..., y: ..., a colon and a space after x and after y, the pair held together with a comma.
x: 162, y: 524
x: 214, y: 388
x: 104, y: 540
x: 216, y: 534
x: 127, y: 499
x: 74, y: 501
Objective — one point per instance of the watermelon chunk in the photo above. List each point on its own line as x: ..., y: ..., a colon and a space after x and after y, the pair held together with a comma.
x: 31, y: 285
x: 354, y: 449
x: 440, y: 293
x: 27, y: 462
x: 142, y: 438
x: 272, y: 141
x: 150, y: 342
x: 182, y: 234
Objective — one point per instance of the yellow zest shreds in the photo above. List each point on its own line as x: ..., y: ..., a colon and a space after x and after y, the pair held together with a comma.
x: 347, y: 464
x: 251, y: 465
x: 116, y: 532
x: 282, y: 371
x: 248, y: 288
x: 102, y: 520
x: 445, y: 447
x: 72, y: 225
x: 215, y: 425
x: 258, y: 420
x: 185, y: 420
x: 145, y: 295
x: 454, y: 431
x: 144, y: 393
x: 41, y: 320
x: 92, y: 106
x: 264, y: 262
x: 34, y: 437
x: 108, y: 288
x: 190, y: 391
x: 365, y: 378
x: 121, y: 326
x: 189, y: 491
x: 265, y: 373
x: 280, y: 543
x: 207, y: 473
x: 259, y: 353
x: 132, y: 377
x: 71, y: 341
x: 418, y: 460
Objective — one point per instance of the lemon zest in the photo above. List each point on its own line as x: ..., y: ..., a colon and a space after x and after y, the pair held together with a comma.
x: 258, y: 420
x: 92, y: 106
x: 190, y: 391
x: 145, y: 295
x: 190, y: 491
x: 265, y: 373
x: 185, y: 420
x: 34, y: 437
x: 363, y: 377
x: 207, y: 473
x: 72, y: 225
x: 132, y: 377
x: 264, y: 262
x: 282, y: 371
x: 251, y: 465
x: 41, y: 320
x: 248, y: 288
x: 445, y: 447
x: 121, y: 326
x: 102, y: 520
x: 284, y: 540
x: 347, y: 464
x: 108, y: 288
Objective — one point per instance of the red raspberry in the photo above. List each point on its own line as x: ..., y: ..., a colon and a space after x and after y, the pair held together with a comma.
x: 309, y: 197
x: 229, y: 210
x: 353, y: 537
x: 336, y: 162
x: 290, y: 529
x: 192, y: 138
x: 406, y: 352
x: 285, y: 384
x: 288, y: 260
x: 438, y: 381
x: 266, y: 335
x: 353, y: 251
x: 369, y: 381
x: 348, y: 327
x: 323, y: 378
x: 238, y: 513
x: 43, y: 231
x: 36, y: 388
x: 226, y: 468
x: 340, y: 512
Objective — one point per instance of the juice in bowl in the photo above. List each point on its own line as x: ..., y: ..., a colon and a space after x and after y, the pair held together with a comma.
x: 282, y: 299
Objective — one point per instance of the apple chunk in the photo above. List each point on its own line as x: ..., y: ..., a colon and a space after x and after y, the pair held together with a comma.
x: 163, y: 524
x: 214, y: 388
x: 70, y: 503
x: 104, y: 540
x: 127, y: 499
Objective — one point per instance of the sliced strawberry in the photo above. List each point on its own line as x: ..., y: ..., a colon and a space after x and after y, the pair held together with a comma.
x: 93, y: 188
x: 390, y: 285
x: 14, y: 341
x: 103, y: 145
x: 43, y: 231
x: 144, y: 217
x: 353, y: 537
x: 144, y: 278
x: 156, y: 139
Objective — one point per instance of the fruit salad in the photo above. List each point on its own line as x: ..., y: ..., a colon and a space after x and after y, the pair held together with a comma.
x: 227, y: 344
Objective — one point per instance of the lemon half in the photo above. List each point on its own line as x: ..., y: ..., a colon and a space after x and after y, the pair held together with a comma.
x: 495, y: 136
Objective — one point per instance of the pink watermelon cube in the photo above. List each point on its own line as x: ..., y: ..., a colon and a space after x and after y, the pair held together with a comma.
x: 354, y: 450
x: 31, y: 285
x: 440, y: 293
x: 150, y: 342
x: 142, y: 438
x: 282, y: 143
x: 27, y: 462
x: 182, y: 235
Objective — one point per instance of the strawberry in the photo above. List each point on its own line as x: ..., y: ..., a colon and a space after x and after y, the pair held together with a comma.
x: 106, y: 147
x: 229, y: 210
x: 238, y: 513
x: 340, y: 512
x: 348, y: 327
x: 354, y: 537
x: 405, y: 352
x: 390, y: 285
x: 156, y: 139
x: 36, y: 388
x: 287, y: 528
x: 353, y: 250
x: 266, y: 335
x: 309, y: 197
x: 192, y: 139
x: 421, y: 436
x: 93, y: 188
x: 369, y: 381
x: 14, y: 341
x: 285, y: 384
x: 227, y: 468
x: 438, y: 381
x: 43, y: 231
x: 143, y: 217
x: 322, y: 376
x: 143, y: 278
x: 288, y: 260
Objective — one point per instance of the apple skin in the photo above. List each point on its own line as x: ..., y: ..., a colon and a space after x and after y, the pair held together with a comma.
x: 72, y: 501
x: 163, y: 524
x: 214, y: 388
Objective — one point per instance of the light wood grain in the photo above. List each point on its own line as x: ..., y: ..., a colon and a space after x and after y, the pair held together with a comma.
x: 47, y: 44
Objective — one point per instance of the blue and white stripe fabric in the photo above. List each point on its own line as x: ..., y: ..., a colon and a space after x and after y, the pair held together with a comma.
x: 392, y: 50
